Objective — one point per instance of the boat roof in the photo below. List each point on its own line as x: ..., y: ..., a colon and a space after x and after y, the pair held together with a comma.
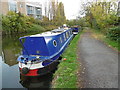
x: 50, y: 33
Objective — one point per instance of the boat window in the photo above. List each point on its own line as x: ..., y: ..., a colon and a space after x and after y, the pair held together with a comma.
x: 71, y: 32
x: 64, y: 37
x: 66, y: 34
x: 60, y: 39
x: 55, y: 43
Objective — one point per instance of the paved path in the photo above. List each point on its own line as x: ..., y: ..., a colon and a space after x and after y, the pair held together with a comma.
x: 99, y: 63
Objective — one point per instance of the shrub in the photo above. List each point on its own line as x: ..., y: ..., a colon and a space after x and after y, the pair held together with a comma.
x: 113, y: 33
x: 36, y: 28
x: 14, y: 23
x: 17, y: 23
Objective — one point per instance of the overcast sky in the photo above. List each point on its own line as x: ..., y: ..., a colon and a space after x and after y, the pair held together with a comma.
x: 72, y: 8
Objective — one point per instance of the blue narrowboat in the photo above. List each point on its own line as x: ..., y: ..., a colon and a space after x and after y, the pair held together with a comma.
x: 41, y: 51
x: 75, y: 29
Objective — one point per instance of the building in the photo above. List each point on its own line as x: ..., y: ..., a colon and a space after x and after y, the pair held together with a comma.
x: 27, y: 8
x: 34, y: 9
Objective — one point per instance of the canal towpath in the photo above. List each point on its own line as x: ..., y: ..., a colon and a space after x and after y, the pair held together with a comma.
x: 98, y: 63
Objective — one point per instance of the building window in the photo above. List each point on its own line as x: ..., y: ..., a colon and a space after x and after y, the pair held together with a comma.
x: 34, y: 9
x: 12, y: 5
x: 30, y: 10
x: 38, y: 11
x: 21, y: 5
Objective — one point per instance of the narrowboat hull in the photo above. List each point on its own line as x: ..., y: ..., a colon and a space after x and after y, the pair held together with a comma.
x: 47, y: 63
x: 40, y: 71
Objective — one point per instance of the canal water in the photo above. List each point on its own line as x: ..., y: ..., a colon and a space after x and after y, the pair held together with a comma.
x: 11, y: 78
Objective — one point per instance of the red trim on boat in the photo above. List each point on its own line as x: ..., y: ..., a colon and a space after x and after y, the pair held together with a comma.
x: 30, y: 73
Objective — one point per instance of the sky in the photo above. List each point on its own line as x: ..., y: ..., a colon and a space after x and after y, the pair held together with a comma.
x: 71, y: 7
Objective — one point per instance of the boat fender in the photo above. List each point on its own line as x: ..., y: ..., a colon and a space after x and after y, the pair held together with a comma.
x: 25, y: 70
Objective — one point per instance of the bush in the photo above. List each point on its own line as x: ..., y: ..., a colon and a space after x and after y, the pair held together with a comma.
x: 36, y: 28
x: 113, y: 33
x: 15, y: 23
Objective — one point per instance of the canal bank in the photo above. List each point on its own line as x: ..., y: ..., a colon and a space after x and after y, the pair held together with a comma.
x: 66, y: 75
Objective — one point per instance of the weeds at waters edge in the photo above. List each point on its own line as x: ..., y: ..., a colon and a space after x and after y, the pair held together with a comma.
x: 102, y: 37
x: 65, y: 76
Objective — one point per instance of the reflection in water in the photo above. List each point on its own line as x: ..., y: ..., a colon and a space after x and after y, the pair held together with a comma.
x: 36, y: 82
x: 11, y: 49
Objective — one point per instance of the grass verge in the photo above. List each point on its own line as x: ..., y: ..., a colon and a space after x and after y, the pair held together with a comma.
x: 102, y: 37
x: 65, y: 76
